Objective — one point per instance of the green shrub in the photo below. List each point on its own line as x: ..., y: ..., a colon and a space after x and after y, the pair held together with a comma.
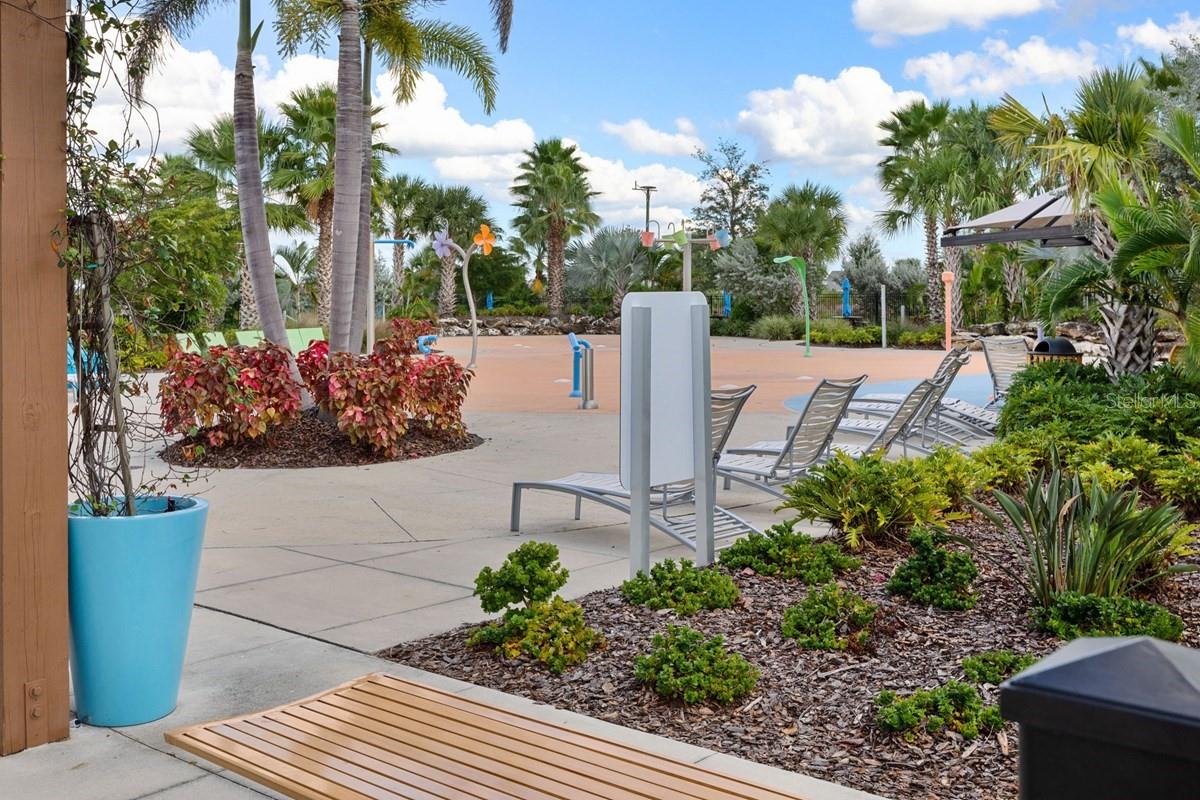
x: 685, y: 665
x: 1116, y: 461
x: 529, y: 574
x: 953, y: 705
x: 1177, y: 477
x: 681, y: 586
x: 775, y: 327
x: 1072, y: 614
x: 729, y: 327
x: 553, y: 632
x: 869, y: 499
x: 933, y: 336
x: 830, y: 619
x: 957, y: 476
x: 935, y: 576
x: 1084, y: 538
x: 1007, y: 463
x: 995, y: 666
x: 780, y: 551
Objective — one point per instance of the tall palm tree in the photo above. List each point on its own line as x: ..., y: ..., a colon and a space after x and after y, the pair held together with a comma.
x: 1157, y: 262
x: 806, y: 221
x: 406, y: 47
x: 166, y: 20
x: 402, y: 197
x: 305, y: 170
x: 460, y: 211
x: 914, y: 176
x: 555, y: 202
x: 209, y: 167
x: 1107, y: 134
x: 612, y: 261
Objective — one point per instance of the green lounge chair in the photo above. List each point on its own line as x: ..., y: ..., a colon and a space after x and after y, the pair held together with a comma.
x: 187, y: 343
x: 295, y: 341
x: 215, y: 338
x: 310, y: 335
x: 250, y: 338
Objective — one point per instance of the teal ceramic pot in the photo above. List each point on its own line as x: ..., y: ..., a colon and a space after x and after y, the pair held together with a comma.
x: 132, y: 584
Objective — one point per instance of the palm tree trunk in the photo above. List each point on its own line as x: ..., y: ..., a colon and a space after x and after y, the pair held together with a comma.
x: 446, y: 289
x: 347, y: 172
x: 933, y: 277
x: 556, y: 266
x: 247, y: 311
x: 362, y: 270
x: 1014, y: 284
x: 1129, y: 331
x: 324, y: 258
x: 953, y: 257
x: 251, y: 201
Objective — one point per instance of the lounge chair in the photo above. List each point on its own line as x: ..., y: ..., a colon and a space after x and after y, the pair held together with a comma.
x: 605, y: 488
x: 310, y: 335
x: 1006, y: 356
x: 970, y: 418
x: 187, y: 343
x: 927, y: 428
x: 295, y: 340
x: 766, y: 464
x: 214, y: 339
x: 250, y: 338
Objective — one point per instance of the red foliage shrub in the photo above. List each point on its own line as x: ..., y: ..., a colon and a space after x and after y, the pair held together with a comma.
x: 229, y: 393
x: 374, y: 398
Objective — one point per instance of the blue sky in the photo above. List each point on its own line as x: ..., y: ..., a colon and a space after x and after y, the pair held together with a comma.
x: 801, y: 85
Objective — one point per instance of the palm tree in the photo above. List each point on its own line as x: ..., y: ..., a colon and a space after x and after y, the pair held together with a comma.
x: 298, y: 264
x: 305, y: 170
x: 806, y: 221
x: 402, y: 197
x: 406, y: 46
x: 613, y: 260
x: 555, y: 202
x: 209, y: 167
x: 165, y: 20
x: 915, y: 176
x: 1108, y: 134
x: 1157, y: 263
x: 460, y: 211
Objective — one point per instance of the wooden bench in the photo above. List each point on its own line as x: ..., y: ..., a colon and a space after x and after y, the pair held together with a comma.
x: 385, y: 737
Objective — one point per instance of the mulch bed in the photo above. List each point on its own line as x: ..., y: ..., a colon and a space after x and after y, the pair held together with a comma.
x: 812, y: 711
x: 311, y: 441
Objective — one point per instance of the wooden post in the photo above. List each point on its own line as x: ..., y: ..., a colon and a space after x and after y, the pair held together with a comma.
x: 33, y: 393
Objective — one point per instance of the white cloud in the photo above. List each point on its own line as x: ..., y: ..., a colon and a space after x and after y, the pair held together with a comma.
x: 820, y: 122
x: 888, y: 19
x: 1153, y: 36
x: 639, y: 136
x: 427, y: 126
x: 997, y: 67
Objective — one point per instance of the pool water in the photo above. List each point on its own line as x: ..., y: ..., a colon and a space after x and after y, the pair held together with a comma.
x: 975, y: 389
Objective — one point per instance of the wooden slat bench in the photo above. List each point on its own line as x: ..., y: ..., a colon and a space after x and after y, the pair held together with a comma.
x: 385, y: 737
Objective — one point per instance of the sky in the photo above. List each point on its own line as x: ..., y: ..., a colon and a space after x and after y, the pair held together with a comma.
x: 638, y: 85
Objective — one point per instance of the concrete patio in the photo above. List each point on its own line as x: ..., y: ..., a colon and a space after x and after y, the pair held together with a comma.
x: 306, y: 573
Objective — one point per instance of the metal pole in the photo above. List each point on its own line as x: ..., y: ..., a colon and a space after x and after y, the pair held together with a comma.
x: 883, y: 312
x: 639, y: 424
x: 702, y: 454
x: 589, y: 380
x: 903, y: 315
x: 687, y: 266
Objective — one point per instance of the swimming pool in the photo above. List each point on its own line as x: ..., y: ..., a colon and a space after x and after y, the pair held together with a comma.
x: 975, y: 389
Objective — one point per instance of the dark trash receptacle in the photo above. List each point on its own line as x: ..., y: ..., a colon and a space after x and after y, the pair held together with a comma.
x: 1054, y: 348
x: 1109, y: 719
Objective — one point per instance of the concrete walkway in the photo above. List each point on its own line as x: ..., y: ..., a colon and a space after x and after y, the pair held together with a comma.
x: 305, y: 573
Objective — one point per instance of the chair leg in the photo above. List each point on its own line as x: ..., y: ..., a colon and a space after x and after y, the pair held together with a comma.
x: 728, y: 484
x: 578, y: 506
x: 515, y: 521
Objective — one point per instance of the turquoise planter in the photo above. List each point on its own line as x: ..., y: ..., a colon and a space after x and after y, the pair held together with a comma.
x: 132, y: 582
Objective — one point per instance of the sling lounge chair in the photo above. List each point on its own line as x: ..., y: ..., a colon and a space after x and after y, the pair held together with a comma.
x: 1006, y: 356
x: 926, y: 429
x: 766, y: 464
x: 606, y: 489
x: 972, y: 419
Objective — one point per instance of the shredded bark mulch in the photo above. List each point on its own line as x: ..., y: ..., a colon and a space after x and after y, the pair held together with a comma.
x: 311, y: 441
x: 812, y: 711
